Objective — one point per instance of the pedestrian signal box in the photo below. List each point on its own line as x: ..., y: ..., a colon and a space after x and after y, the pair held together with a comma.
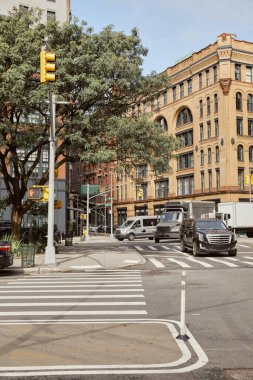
x: 35, y: 193
x: 57, y: 204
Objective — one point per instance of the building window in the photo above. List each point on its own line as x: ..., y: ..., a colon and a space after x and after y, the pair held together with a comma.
x: 145, y: 107
x: 240, y: 153
x: 185, y: 185
x: 141, y: 171
x: 161, y: 189
x: 141, y: 191
x: 210, y: 180
x: 217, y: 171
x: 250, y: 103
x: 200, y: 81
x: 216, y: 127
x: 241, y: 178
x: 185, y: 161
x: 201, y: 132
x: 51, y: 15
x: 251, y: 153
x: 181, y: 90
x: 238, y: 101
x: 209, y: 132
x: 208, y: 106
x: 122, y: 215
x: 152, y: 104
x: 248, y: 74
x: 174, y: 93
x: 184, y: 117
x: 250, y: 127
x: 138, y: 109
x: 189, y: 83
x: 209, y: 156
x: 239, y: 126
x: 202, y: 179
x: 165, y: 98
x: 162, y: 124
x: 201, y: 108
x: 158, y: 99
x: 202, y: 157
x: 215, y: 74
x: 207, y: 78
x: 216, y: 105
x: 186, y: 138
x: 237, y: 72
x: 217, y: 154
x: 133, y: 110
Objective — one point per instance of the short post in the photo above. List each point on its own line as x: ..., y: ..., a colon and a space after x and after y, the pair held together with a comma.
x: 183, y: 335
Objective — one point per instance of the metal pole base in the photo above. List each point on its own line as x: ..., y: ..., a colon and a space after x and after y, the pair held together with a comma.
x: 50, y: 255
x: 184, y: 337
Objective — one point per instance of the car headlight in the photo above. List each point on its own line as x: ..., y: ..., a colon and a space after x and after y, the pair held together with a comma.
x: 175, y: 229
x: 200, y: 237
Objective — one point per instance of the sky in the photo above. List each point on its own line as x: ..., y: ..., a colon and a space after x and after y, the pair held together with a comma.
x: 169, y: 29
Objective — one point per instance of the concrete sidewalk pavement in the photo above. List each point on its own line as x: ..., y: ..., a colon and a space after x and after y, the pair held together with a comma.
x: 97, y: 253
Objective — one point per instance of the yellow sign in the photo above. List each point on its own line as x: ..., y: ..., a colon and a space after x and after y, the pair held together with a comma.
x: 247, y: 179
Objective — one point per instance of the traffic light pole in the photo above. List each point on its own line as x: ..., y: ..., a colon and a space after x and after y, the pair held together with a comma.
x: 50, y: 248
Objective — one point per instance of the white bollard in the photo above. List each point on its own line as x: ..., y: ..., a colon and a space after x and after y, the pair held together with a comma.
x: 183, y: 334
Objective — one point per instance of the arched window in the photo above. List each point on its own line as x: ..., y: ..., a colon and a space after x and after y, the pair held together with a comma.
x: 201, y: 157
x: 162, y: 123
x: 201, y: 108
x: 251, y: 153
x: 250, y: 103
x: 208, y: 106
x: 217, y: 154
x: 238, y: 101
x: 240, y: 153
x: 215, y: 98
x: 184, y: 117
x: 209, y: 155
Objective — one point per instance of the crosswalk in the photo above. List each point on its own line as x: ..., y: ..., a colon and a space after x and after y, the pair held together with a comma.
x: 188, y: 262
x: 72, y: 297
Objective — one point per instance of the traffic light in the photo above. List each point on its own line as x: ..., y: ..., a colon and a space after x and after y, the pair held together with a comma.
x: 47, y: 67
x: 35, y: 193
x: 140, y: 192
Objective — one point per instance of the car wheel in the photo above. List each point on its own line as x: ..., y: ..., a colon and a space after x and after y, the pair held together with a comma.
x: 150, y: 238
x: 183, y: 248
x: 232, y: 253
x: 131, y: 237
x: 195, y: 249
x: 157, y: 240
x: 120, y: 239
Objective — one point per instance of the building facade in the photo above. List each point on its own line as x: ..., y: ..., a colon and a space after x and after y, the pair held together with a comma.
x: 209, y: 106
x: 52, y: 9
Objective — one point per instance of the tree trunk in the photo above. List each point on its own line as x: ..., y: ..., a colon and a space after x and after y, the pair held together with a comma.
x: 16, y: 218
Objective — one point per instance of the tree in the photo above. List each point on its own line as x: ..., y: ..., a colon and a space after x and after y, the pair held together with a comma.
x: 99, y: 74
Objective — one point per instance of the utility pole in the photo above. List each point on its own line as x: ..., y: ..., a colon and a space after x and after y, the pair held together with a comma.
x: 111, y: 235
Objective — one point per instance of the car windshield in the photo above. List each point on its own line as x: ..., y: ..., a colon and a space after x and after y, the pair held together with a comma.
x: 171, y: 216
x: 127, y: 223
x: 210, y: 225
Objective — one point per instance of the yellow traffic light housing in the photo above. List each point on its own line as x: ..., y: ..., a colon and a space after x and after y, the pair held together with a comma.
x: 47, y: 67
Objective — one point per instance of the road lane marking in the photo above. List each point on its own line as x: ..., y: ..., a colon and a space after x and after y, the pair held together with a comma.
x: 244, y: 246
x: 138, y: 248
x: 28, y: 304
x: 85, y: 266
x: 91, y: 281
x: 73, y: 296
x: 165, y: 247
x: 69, y: 286
x: 206, y: 265
x: 248, y: 257
x: 222, y: 262
x: 72, y: 312
x: 180, y: 263
x: 156, y: 263
x: 69, y: 290
x: 152, y: 248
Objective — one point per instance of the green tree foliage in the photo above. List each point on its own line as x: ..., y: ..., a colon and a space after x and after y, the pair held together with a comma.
x: 99, y: 74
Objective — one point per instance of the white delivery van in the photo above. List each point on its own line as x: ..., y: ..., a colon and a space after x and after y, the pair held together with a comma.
x: 137, y: 227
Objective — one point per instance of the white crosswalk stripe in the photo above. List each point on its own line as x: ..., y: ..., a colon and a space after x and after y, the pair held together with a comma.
x: 107, y: 293
x: 165, y: 247
x: 156, y: 263
x: 180, y: 263
x: 222, y: 262
x: 152, y: 248
x: 204, y: 264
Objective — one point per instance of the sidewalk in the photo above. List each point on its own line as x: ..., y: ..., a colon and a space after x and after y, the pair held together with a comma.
x: 85, y: 255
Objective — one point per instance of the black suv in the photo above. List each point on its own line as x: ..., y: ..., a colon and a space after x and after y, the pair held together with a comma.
x: 207, y: 236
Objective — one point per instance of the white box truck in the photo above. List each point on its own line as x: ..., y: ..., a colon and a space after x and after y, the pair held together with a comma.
x: 238, y: 216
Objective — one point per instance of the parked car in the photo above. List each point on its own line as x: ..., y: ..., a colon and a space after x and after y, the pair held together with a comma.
x: 6, y: 255
x: 207, y: 236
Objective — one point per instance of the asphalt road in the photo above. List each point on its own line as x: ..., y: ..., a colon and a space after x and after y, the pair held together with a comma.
x: 219, y: 310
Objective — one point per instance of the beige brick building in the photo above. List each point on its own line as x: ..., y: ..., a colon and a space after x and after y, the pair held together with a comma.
x: 210, y: 107
x: 56, y: 9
